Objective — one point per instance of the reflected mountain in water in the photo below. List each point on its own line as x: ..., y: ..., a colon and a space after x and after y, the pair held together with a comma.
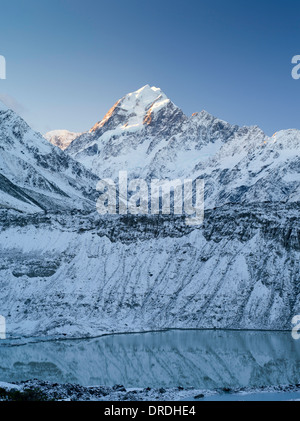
x: 202, y: 359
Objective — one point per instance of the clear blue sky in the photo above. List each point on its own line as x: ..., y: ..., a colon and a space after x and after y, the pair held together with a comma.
x: 68, y: 61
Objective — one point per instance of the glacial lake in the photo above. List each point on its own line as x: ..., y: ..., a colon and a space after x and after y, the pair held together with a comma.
x: 187, y: 358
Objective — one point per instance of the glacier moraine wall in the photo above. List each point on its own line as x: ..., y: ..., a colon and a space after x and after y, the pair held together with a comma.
x: 76, y: 274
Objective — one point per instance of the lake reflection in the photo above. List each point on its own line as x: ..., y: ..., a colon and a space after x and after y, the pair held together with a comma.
x: 200, y: 359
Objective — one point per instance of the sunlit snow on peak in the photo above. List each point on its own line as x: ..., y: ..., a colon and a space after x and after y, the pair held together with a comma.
x: 136, y: 108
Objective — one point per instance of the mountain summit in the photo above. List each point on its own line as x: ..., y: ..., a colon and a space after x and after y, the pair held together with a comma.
x: 134, y: 109
x: 147, y: 135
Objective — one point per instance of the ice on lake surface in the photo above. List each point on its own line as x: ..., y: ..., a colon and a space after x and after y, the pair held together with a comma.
x: 192, y: 358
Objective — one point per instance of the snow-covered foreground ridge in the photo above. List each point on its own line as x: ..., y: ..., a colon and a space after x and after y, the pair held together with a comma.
x: 67, y: 271
x: 36, y: 176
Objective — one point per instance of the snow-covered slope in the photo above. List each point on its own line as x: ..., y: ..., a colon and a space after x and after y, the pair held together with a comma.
x: 36, y: 176
x: 61, y: 138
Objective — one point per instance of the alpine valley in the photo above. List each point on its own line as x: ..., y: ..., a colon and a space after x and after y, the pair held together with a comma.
x: 67, y: 271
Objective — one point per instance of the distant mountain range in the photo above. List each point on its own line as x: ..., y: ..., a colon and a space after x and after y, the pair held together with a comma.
x: 147, y: 135
x: 67, y: 271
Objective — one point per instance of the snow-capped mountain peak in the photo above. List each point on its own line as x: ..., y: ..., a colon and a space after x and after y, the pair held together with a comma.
x: 143, y: 98
x: 145, y: 134
x: 134, y: 110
